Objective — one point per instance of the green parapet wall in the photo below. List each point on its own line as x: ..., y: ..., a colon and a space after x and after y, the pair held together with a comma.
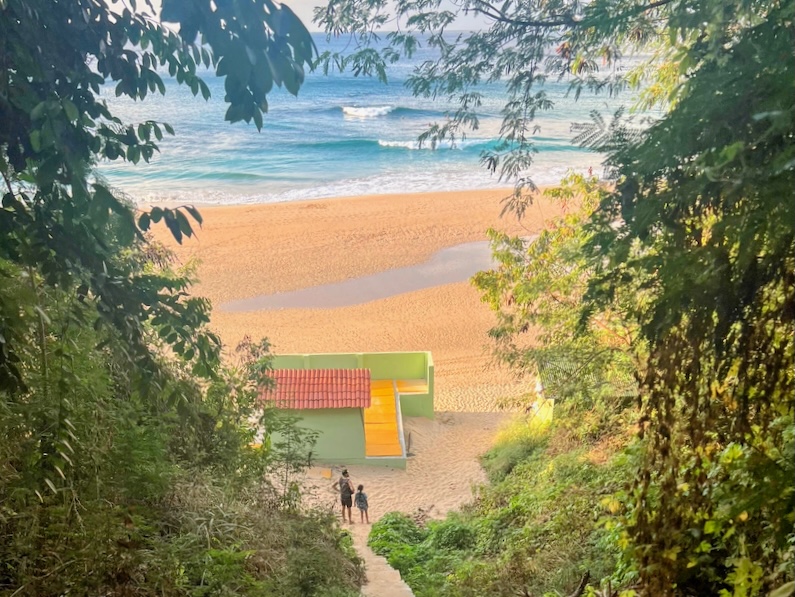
x: 289, y: 361
x: 333, y: 361
x: 396, y: 365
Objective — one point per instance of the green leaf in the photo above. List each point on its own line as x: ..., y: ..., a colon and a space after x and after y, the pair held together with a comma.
x: 184, y: 224
x: 195, y: 214
x: 173, y: 225
x: 51, y: 485
x: 35, y: 140
x: 71, y: 110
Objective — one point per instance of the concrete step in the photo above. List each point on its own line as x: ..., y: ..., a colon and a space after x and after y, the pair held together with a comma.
x: 383, y: 580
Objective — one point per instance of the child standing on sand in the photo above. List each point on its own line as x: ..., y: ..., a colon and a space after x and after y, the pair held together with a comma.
x: 361, y: 503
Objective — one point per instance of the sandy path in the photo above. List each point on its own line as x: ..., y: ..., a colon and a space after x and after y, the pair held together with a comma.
x: 439, y: 477
x: 382, y: 579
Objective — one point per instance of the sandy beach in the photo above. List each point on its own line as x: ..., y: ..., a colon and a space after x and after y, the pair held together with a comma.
x: 246, y: 251
x: 250, y: 251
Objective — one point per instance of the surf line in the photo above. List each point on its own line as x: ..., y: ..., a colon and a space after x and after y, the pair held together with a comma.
x: 447, y: 266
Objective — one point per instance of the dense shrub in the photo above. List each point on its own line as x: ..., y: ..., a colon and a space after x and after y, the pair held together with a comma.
x: 106, y: 491
x: 513, y: 445
x: 395, y: 529
x: 536, y: 529
x: 451, y: 534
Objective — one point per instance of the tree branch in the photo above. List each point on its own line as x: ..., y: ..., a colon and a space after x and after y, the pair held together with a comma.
x: 583, y: 583
x: 502, y: 18
x: 492, y: 12
x: 8, y: 182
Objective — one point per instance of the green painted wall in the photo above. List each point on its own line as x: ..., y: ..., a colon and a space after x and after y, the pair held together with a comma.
x: 333, y: 361
x: 395, y: 365
x: 416, y: 405
x: 289, y: 361
x: 341, y: 430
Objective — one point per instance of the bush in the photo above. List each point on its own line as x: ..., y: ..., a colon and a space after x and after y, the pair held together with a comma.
x: 536, y: 529
x: 514, y: 444
x: 393, y: 530
x: 451, y: 534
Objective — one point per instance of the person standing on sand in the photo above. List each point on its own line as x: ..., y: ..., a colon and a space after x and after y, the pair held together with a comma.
x: 361, y: 503
x: 345, y: 487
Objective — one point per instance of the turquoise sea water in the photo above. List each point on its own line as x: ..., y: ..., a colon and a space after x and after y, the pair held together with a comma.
x: 341, y: 136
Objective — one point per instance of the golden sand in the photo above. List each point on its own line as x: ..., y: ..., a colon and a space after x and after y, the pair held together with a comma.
x: 246, y: 251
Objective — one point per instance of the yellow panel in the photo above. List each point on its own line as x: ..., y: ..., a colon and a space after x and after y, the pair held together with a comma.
x: 381, y: 384
x: 383, y: 450
x: 380, y: 418
x: 386, y: 439
x: 380, y: 421
x: 409, y: 386
x: 381, y: 406
x: 383, y: 441
x: 377, y: 432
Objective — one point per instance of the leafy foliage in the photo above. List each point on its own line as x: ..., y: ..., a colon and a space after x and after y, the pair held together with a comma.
x: 127, y: 465
x: 105, y: 490
x: 536, y: 292
x: 698, y: 227
x: 519, y: 47
x: 536, y: 529
x: 707, y: 227
x: 54, y: 128
x: 392, y: 528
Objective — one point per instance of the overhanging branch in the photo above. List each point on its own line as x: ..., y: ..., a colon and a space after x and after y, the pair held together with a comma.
x: 494, y: 13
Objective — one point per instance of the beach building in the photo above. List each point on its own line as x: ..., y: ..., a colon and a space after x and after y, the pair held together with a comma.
x: 355, y: 401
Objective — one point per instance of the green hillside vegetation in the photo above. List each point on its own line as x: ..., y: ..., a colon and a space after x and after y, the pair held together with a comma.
x: 565, y: 498
x: 128, y: 460
x: 111, y: 486
x: 537, y: 527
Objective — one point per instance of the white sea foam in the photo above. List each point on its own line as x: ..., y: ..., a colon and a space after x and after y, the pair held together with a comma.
x: 416, y: 181
x: 366, y: 111
x: 460, y: 144
x: 403, y: 144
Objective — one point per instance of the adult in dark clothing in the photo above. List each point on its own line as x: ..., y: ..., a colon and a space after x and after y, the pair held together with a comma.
x: 345, y: 486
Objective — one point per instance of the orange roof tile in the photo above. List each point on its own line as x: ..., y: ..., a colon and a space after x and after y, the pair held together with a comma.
x: 319, y: 388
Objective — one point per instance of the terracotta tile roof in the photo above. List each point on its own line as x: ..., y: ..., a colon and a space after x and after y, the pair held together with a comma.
x: 319, y: 388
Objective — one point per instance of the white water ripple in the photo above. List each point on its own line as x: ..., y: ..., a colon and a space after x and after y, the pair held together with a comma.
x: 366, y: 112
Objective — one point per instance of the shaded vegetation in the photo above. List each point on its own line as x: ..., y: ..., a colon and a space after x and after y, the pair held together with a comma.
x: 126, y: 494
x: 127, y: 461
x: 537, y: 528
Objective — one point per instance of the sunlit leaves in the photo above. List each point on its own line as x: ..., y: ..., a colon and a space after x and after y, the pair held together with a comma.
x: 58, y: 219
x: 254, y: 45
x: 536, y: 292
x: 702, y: 216
x: 511, y: 49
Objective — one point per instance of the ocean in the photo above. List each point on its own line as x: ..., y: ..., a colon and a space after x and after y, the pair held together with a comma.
x: 342, y: 136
